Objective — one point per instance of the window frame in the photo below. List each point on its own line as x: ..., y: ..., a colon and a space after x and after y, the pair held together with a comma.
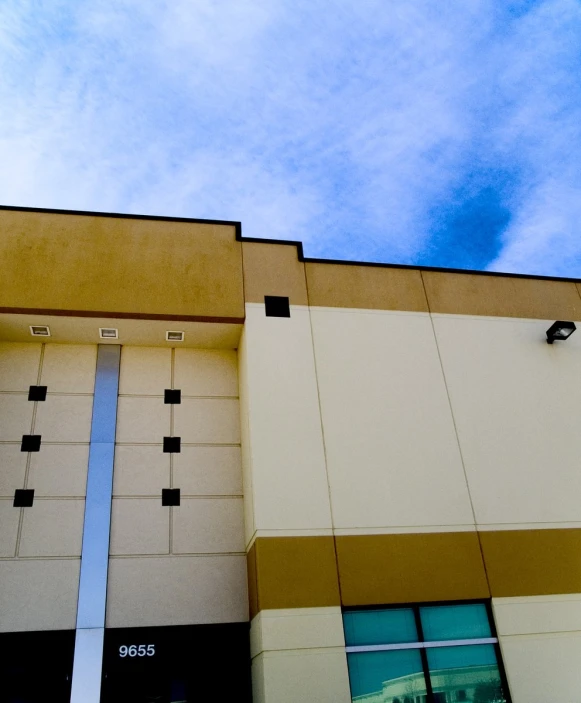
x: 421, y: 641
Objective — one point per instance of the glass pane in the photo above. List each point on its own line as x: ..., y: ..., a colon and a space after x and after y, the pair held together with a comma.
x: 465, y: 674
x: 394, y: 677
x: 455, y: 622
x: 379, y: 626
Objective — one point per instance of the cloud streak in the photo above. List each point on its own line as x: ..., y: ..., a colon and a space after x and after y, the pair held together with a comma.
x: 435, y: 134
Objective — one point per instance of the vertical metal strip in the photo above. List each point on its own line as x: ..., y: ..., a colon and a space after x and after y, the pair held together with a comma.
x: 88, y: 661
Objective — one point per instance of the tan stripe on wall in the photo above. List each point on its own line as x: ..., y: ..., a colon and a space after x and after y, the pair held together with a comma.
x: 304, y: 572
x: 295, y: 572
x: 532, y: 562
x: 410, y: 568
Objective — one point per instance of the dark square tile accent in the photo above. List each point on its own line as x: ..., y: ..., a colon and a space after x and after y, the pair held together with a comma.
x: 276, y: 306
x: 37, y: 393
x: 30, y: 443
x: 23, y: 498
x: 172, y: 396
x: 170, y: 496
x: 172, y: 445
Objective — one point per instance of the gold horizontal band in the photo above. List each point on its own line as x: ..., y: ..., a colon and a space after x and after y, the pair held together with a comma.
x: 532, y: 562
x: 351, y: 570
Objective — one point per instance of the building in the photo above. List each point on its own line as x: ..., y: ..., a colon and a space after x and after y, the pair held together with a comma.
x: 377, y: 467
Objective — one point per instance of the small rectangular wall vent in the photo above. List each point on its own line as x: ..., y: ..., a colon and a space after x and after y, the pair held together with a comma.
x: 174, y: 336
x: 108, y: 333
x: 276, y: 306
x: 39, y: 331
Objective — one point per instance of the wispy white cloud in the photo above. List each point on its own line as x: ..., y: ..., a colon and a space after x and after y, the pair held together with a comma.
x: 369, y: 131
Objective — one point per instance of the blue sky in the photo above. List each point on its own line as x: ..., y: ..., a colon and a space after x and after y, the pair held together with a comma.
x: 401, y: 131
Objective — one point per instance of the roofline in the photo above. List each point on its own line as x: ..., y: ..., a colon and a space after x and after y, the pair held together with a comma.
x: 285, y: 242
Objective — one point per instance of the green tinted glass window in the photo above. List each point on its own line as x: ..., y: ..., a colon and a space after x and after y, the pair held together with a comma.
x: 379, y: 626
x: 390, y: 660
x: 455, y: 622
x: 468, y: 673
x: 392, y: 674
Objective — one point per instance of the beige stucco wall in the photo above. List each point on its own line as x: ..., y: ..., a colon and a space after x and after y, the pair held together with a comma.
x: 299, y: 655
x: 185, y: 564
x: 540, y: 639
x: 285, y: 456
x: 516, y: 407
x: 393, y: 460
x: 449, y: 455
x: 41, y: 545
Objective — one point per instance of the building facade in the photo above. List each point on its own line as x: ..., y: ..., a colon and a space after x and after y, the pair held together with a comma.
x: 230, y: 473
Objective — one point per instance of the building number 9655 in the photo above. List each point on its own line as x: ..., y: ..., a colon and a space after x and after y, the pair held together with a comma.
x: 137, y: 650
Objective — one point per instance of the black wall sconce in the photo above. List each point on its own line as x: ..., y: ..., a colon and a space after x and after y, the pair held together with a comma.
x: 560, y: 330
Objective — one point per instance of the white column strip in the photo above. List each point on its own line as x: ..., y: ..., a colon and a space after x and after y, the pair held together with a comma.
x: 88, y: 660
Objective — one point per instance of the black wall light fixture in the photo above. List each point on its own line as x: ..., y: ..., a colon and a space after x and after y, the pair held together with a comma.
x: 560, y: 330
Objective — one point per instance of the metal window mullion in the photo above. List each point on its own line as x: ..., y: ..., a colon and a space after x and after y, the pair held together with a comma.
x: 424, y: 656
x: 421, y: 645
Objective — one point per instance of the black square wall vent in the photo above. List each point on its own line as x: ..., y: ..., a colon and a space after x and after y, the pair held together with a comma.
x: 172, y: 445
x: 172, y: 396
x: 37, y: 393
x: 276, y: 306
x: 170, y: 496
x: 30, y: 443
x: 23, y: 498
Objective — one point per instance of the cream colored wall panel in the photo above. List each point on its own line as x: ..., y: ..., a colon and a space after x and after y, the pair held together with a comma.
x: 142, y: 420
x: 543, y: 668
x: 18, y: 366
x: 206, y: 525
x: 296, y: 628
x: 12, y: 468
x: 140, y: 470
x: 144, y: 371
x: 537, y: 614
x: 305, y: 675
x: 257, y: 673
x: 139, y: 526
x: 69, y: 368
x: 152, y: 591
x: 392, y: 453
x: 214, y: 420
x: 9, y: 517
x: 59, y: 470
x: 52, y: 528
x: 285, y: 440
x: 208, y: 471
x: 245, y: 453
x: 15, y: 417
x: 64, y: 418
x: 38, y: 594
x: 201, y: 372
x: 516, y: 407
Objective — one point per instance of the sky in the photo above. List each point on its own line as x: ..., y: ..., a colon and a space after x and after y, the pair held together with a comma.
x: 397, y: 131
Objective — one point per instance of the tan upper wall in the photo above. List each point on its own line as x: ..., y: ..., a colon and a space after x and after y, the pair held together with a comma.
x: 272, y: 269
x: 368, y: 287
x: 415, y: 290
x: 275, y: 269
x: 145, y: 267
x: 501, y: 296
x: 136, y: 266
